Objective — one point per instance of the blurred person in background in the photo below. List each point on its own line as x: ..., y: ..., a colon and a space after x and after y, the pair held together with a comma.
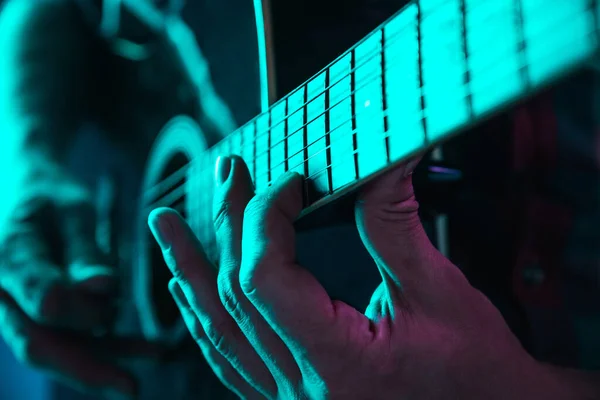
x: 119, y: 70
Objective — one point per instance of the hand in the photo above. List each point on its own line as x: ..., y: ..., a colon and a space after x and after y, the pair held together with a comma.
x: 269, y: 329
x: 58, y: 293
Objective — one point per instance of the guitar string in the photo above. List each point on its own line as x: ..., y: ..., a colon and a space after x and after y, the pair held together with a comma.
x: 369, y: 79
x: 385, y: 134
x: 180, y: 191
x: 383, y: 114
x: 207, y: 173
x: 375, y: 56
x: 239, y: 132
x: 369, y: 58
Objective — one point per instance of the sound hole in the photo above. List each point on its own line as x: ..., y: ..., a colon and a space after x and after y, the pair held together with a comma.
x: 172, y: 194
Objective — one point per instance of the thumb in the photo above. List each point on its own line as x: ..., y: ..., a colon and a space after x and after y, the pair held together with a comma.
x: 389, y: 225
x: 87, y: 266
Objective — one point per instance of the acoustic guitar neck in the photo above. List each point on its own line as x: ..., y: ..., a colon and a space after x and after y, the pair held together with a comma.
x: 436, y: 68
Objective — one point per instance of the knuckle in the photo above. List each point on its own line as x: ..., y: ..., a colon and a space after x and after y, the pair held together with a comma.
x: 196, y: 330
x: 252, y: 278
x: 182, y: 263
x: 178, y: 274
x: 221, y: 214
x: 230, y: 297
x: 256, y: 207
x: 218, y: 333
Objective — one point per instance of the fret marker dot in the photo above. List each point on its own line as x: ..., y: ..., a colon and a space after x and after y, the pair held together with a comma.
x: 367, y: 103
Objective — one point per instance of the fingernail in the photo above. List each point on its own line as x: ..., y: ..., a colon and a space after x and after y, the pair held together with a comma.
x: 177, y: 293
x: 222, y: 169
x: 161, y: 228
x: 287, y: 177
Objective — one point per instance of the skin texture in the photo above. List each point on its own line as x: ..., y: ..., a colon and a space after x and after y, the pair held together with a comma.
x: 269, y: 330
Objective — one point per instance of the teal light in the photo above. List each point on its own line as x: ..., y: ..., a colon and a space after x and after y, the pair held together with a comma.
x: 262, y: 55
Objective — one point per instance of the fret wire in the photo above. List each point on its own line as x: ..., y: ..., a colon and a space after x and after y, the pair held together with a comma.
x: 305, y: 131
x: 465, y: 49
x: 269, y: 147
x: 286, y: 127
x: 384, y: 99
x: 252, y: 122
x: 521, y: 44
x: 421, y: 84
x: 353, y: 112
x: 327, y: 133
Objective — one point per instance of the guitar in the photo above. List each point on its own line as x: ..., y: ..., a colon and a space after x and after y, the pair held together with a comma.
x: 431, y: 71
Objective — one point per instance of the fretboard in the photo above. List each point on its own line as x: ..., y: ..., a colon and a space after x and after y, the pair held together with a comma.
x: 437, y: 67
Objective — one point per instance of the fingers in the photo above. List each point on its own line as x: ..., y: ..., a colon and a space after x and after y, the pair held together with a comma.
x: 87, y: 266
x: 289, y: 297
x: 234, y: 191
x: 67, y: 359
x: 44, y: 236
x: 197, y: 278
x: 389, y: 225
x: 42, y: 290
x: 230, y: 378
